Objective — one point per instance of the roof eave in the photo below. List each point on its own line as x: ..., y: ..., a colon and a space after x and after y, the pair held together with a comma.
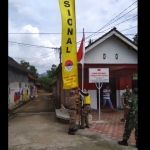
x: 112, y: 32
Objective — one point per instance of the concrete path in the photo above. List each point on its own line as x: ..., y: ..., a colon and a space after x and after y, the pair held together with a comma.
x: 34, y: 126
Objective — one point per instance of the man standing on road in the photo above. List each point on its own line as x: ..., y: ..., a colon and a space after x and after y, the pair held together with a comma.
x: 106, y: 97
x: 86, y: 108
x: 132, y: 120
x: 126, y: 102
x: 72, y: 112
x: 79, y: 103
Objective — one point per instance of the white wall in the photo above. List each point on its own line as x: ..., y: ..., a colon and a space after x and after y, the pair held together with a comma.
x: 110, y: 47
x: 14, y: 87
x: 93, y: 98
x: 118, y: 97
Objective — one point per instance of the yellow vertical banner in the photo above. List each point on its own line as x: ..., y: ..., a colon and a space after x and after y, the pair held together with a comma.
x: 68, y: 44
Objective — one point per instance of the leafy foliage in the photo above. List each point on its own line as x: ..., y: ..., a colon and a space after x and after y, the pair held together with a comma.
x: 90, y: 41
x: 45, y: 81
x: 50, y: 72
x: 30, y: 68
x: 135, y: 39
x: 25, y: 64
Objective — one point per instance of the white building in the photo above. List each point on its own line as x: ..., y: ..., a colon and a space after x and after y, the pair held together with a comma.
x: 19, y: 81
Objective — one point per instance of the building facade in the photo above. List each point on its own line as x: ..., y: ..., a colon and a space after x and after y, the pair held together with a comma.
x: 19, y: 83
x: 115, y: 52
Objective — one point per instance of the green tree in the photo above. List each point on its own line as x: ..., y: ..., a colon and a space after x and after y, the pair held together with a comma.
x: 33, y: 71
x: 30, y: 68
x: 25, y: 64
x: 45, y: 83
x: 50, y: 72
x: 90, y: 41
x: 135, y: 39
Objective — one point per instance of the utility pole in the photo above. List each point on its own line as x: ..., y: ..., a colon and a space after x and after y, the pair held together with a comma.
x: 60, y: 54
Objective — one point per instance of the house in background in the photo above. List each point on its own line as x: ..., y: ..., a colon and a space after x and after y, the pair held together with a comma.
x: 54, y: 85
x: 19, y: 82
x: 32, y: 85
x: 113, y: 51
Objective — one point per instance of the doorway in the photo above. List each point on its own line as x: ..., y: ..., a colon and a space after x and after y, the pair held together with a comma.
x: 134, y: 84
x: 112, y: 84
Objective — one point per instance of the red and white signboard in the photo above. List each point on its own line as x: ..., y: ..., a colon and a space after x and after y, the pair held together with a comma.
x: 97, y: 75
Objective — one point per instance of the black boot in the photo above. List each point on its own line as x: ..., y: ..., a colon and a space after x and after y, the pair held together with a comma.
x: 74, y: 130
x: 123, y: 142
x: 81, y: 127
x: 86, y: 126
x: 71, y: 132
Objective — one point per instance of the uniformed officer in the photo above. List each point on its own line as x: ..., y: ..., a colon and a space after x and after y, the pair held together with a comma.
x: 132, y: 121
x: 79, y: 104
x: 126, y: 101
x: 72, y: 112
x: 86, y: 108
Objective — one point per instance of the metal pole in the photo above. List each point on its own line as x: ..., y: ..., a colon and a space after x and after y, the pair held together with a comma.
x: 99, y: 100
x: 99, y: 87
x: 60, y: 54
x: 82, y: 78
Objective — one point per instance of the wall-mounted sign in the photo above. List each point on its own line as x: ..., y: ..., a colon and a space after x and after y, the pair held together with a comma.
x: 97, y: 75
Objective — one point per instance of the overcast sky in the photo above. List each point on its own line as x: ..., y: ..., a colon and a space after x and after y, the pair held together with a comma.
x: 37, y: 17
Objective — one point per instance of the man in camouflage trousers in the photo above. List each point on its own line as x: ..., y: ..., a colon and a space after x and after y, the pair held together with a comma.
x: 132, y: 121
x: 79, y: 104
x: 126, y: 101
x: 86, y: 108
x: 72, y: 112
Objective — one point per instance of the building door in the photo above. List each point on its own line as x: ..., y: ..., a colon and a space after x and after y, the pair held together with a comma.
x: 112, y: 84
x: 134, y: 84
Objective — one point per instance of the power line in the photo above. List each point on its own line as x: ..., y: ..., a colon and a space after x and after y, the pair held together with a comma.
x: 50, y: 33
x: 121, y: 16
x: 34, y: 33
x: 93, y: 39
x: 34, y: 45
x: 91, y: 32
x: 106, y: 38
x: 111, y: 20
x: 113, y: 27
x: 28, y: 45
x: 116, y: 25
x: 35, y: 58
x: 40, y: 55
x: 128, y: 29
x: 56, y: 33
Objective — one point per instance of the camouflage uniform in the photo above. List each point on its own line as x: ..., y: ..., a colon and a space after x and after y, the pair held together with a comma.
x: 84, y: 115
x: 72, y: 122
x: 79, y: 105
x: 127, y: 101
x: 72, y: 111
x: 85, y: 110
x: 132, y: 121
